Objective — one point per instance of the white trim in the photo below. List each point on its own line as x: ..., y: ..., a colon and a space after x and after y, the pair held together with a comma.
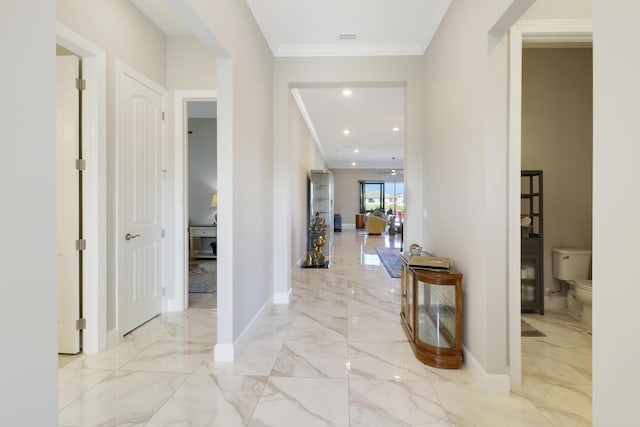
x: 282, y: 297
x: 94, y: 193
x: 225, y: 168
x: 305, y: 115
x: 113, y: 337
x: 225, y: 352
x: 179, y: 255
x: 397, y: 49
x: 495, y: 384
x: 551, y: 31
x: 555, y: 30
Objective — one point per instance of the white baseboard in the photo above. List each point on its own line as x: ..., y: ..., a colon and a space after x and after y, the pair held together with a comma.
x: 223, y: 352
x: 113, y: 338
x: 227, y: 352
x: 494, y: 384
x: 282, y: 297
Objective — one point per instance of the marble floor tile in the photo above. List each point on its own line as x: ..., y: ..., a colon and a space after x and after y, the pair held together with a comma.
x: 562, y: 405
x: 129, y: 347
x: 73, y: 382
x: 312, y: 359
x: 307, y: 402
x: 211, y: 400
x: 387, y: 361
x: 465, y: 406
x: 124, y: 398
x: 257, y: 360
x: 386, y: 403
x: 171, y: 355
x: 335, y: 356
x: 313, y: 327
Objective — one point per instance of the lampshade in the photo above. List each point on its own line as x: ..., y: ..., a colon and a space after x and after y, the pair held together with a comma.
x: 214, y: 201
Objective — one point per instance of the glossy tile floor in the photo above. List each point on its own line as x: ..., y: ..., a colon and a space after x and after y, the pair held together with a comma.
x: 337, y: 356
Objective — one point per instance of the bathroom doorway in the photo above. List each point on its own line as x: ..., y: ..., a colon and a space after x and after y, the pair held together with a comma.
x: 565, y: 35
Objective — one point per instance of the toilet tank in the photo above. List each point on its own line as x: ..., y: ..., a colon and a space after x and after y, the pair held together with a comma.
x: 571, y: 263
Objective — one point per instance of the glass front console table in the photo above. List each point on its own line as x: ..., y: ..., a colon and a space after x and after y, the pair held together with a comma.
x: 431, y: 314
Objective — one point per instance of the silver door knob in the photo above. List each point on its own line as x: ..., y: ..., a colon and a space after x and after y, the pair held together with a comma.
x: 129, y: 236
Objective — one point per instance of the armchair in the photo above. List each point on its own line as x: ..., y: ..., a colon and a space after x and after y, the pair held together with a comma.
x: 375, y: 224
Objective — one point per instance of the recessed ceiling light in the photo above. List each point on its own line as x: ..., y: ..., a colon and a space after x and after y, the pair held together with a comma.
x: 396, y: 129
x: 346, y: 131
x: 347, y: 92
x: 356, y: 150
x: 353, y: 163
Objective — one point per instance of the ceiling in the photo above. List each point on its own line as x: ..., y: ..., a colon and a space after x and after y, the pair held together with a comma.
x: 369, y: 114
x: 341, y: 28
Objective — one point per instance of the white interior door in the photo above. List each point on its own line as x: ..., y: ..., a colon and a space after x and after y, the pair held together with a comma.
x: 68, y: 203
x: 139, y: 202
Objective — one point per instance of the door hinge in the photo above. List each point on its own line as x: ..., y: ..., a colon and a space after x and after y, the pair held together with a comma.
x: 81, y: 324
x: 81, y: 245
x: 81, y: 164
x: 163, y: 233
x: 81, y: 84
x: 164, y: 292
x: 163, y: 115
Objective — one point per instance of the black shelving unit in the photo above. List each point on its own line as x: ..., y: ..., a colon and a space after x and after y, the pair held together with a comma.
x: 531, y: 267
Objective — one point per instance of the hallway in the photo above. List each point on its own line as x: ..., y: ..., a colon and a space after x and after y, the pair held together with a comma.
x: 337, y: 356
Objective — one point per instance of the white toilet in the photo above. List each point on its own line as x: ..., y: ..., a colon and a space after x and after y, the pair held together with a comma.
x: 571, y: 265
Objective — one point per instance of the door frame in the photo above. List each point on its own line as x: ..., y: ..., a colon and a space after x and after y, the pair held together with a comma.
x: 539, y: 31
x: 122, y: 69
x: 94, y: 180
x: 180, y: 299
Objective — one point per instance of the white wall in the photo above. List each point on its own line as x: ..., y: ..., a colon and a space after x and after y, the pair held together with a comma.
x: 616, y: 201
x: 246, y: 152
x: 28, y: 319
x: 137, y: 42
x: 557, y: 139
x: 565, y: 9
x: 190, y: 64
x: 203, y: 171
x: 465, y: 171
x: 305, y: 155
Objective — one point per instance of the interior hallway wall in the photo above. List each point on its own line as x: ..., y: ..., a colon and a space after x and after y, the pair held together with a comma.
x: 305, y: 155
x: 190, y: 65
x: 246, y: 150
x: 557, y: 138
x: 616, y: 199
x: 29, y: 318
x: 203, y: 171
x: 465, y: 172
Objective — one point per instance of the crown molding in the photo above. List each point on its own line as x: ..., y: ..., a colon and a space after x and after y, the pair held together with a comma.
x: 551, y: 30
x: 399, y: 49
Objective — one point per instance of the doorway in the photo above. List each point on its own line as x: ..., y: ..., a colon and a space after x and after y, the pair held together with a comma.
x: 94, y: 202
x: 202, y: 202
x: 551, y: 31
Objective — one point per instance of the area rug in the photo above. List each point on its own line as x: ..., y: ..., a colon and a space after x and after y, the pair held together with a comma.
x: 390, y: 260
x: 202, y: 277
x: 526, y: 330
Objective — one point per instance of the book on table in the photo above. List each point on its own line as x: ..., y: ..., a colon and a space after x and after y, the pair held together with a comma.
x: 428, y: 261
